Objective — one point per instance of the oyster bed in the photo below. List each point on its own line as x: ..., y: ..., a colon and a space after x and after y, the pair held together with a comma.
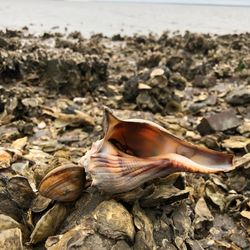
x: 52, y: 91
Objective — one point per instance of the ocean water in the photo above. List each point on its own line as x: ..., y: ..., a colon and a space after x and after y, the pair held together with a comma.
x: 113, y: 17
x: 189, y: 2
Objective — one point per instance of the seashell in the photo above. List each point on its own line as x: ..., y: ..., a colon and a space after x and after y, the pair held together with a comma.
x: 48, y: 223
x: 20, y: 191
x: 132, y: 152
x: 64, y: 183
x: 135, y: 151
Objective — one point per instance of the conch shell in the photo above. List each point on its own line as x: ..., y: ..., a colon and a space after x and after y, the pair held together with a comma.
x: 132, y: 152
x: 135, y: 151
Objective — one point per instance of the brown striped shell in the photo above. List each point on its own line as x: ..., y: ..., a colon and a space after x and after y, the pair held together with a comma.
x: 135, y: 151
x: 64, y: 183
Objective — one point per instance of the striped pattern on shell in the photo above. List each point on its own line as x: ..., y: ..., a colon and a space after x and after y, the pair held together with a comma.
x: 64, y: 183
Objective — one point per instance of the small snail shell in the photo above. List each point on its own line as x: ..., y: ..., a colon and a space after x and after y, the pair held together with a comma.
x: 64, y: 183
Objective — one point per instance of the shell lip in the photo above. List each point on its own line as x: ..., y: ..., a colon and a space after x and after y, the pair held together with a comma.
x: 110, y: 116
x: 116, y: 121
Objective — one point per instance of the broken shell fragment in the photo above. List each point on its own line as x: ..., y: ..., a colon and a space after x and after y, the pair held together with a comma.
x: 40, y: 203
x: 64, y: 183
x: 48, y: 223
x: 144, y: 237
x: 5, y: 159
x: 135, y: 151
x: 20, y: 191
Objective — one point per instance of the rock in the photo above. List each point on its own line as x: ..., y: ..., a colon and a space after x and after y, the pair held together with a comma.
x: 157, y: 72
x: 239, y: 96
x: 244, y: 128
x: 75, y: 237
x: 181, y: 223
x: 5, y: 159
x: 48, y: 223
x: 155, y: 92
x: 163, y: 193
x: 7, y: 222
x: 121, y: 245
x: 3, y: 43
x: 11, y: 239
x: 202, y: 215
x: 82, y: 236
x: 9, y: 207
x: 144, y: 237
x: 143, y: 86
x: 20, y: 191
x: 196, y: 107
x: 223, y: 70
x: 75, y: 70
x: 219, y: 122
x: 198, y: 42
x: 146, y: 102
x: 114, y: 221
x: 131, y: 89
x: 245, y: 214
x: 57, y: 72
x: 83, y: 207
x: 237, y: 142
x: 201, y: 81
x: 10, y: 65
x: 178, y: 81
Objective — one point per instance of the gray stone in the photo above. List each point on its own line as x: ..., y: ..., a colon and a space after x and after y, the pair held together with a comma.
x: 239, y: 96
x: 219, y: 122
x: 202, y: 81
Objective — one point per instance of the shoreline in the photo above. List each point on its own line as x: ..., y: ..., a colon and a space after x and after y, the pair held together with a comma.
x: 122, y: 18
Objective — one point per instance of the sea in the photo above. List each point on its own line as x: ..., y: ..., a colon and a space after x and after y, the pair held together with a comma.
x: 190, y: 2
x: 126, y: 17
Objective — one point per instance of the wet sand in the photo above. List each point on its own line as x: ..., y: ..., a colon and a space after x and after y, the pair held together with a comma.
x: 126, y: 18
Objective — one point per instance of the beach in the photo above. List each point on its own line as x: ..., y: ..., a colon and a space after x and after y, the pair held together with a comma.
x: 125, y: 18
x: 111, y: 140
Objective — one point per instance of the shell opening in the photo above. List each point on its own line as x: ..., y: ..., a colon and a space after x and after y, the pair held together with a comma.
x: 141, y: 140
x: 146, y: 141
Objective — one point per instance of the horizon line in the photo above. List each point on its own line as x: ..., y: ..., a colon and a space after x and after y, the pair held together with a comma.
x: 160, y: 2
